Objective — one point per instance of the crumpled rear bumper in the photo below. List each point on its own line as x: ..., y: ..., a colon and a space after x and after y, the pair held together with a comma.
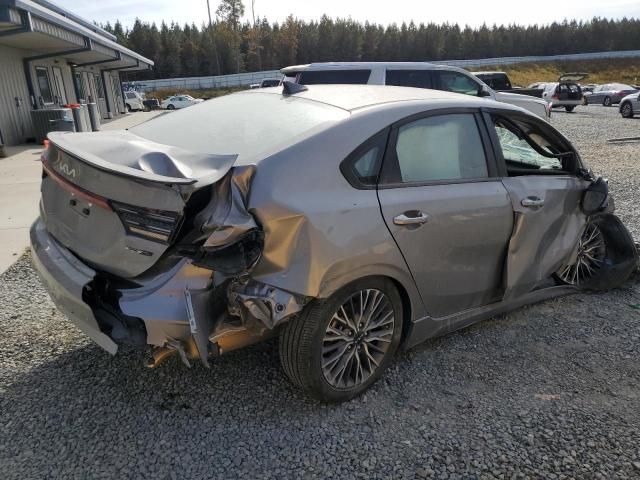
x: 65, y: 278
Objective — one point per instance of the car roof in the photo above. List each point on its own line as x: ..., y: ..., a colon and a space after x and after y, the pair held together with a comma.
x: 353, y: 97
x: 488, y: 73
x: 367, y: 65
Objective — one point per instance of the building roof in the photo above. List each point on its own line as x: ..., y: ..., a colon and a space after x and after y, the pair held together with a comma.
x: 42, y: 26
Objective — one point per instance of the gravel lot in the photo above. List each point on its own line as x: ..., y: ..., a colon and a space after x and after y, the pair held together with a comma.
x: 550, y: 391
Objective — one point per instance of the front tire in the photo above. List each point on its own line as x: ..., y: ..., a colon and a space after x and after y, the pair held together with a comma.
x: 340, y: 346
x: 626, y: 110
x: 606, y: 102
x: 569, y: 108
x: 170, y: 107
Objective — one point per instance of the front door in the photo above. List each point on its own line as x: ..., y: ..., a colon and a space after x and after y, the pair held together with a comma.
x: 449, y: 213
x: 540, y: 174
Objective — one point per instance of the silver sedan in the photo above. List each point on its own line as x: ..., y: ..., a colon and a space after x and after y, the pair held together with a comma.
x: 608, y: 94
x: 351, y: 221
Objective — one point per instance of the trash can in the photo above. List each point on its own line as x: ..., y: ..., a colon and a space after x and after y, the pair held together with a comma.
x: 85, y: 115
x: 94, y: 116
x: 65, y: 124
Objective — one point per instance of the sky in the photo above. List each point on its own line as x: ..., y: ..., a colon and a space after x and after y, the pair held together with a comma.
x: 472, y: 12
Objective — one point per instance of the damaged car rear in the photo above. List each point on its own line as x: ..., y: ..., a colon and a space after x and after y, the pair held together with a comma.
x: 349, y: 220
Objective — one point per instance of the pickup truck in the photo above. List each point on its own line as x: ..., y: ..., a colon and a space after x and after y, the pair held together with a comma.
x: 500, y: 82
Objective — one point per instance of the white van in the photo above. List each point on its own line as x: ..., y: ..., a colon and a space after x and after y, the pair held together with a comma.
x: 134, y: 101
x: 409, y: 74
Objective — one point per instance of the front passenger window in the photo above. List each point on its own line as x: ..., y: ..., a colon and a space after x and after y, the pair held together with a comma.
x: 456, y: 82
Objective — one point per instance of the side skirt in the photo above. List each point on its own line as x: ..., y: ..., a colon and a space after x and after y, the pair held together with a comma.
x: 428, y: 327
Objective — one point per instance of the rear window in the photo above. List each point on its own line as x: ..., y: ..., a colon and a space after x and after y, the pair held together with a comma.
x: 313, y: 77
x: 229, y: 124
x: 497, y: 81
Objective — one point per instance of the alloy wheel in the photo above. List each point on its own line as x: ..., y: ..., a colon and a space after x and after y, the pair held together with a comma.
x: 626, y: 110
x: 590, y: 257
x: 607, y: 102
x: 357, y: 338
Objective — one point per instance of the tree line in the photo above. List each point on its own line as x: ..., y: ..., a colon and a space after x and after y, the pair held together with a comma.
x: 229, y: 45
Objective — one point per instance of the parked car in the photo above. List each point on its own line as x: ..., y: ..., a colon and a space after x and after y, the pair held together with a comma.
x: 608, y: 94
x: 565, y: 93
x: 365, y: 220
x: 179, y: 101
x: 500, y: 82
x: 409, y: 74
x: 266, y: 83
x: 630, y: 105
x: 134, y: 101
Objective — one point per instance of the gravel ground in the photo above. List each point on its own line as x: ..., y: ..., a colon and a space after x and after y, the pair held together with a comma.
x: 550, y: 391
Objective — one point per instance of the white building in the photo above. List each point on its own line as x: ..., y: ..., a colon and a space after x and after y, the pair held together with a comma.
x: 51, y: 57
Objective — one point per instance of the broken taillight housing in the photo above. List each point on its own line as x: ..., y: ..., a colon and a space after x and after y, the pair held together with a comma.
x: 155, y: 225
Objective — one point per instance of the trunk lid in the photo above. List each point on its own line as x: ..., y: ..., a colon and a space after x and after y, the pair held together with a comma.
x: 572, y: 77
x: 117, y: 200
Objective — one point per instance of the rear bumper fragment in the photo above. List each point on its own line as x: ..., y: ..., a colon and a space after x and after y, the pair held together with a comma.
x: 65, y: 278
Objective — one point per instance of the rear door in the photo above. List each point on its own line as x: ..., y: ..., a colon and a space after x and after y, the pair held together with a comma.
x: 449, y: 214
x: 540, y: 172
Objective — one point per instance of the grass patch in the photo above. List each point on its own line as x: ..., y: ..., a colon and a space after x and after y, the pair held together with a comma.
x: 600, y: 71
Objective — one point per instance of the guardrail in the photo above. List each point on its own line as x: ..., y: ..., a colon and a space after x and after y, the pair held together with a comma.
x: 245, y: 79
x: 480, y: 62
x: 202, y: 83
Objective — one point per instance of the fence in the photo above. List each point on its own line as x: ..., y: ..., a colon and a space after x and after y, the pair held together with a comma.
x: 245, y: 79
x: 202, y: 83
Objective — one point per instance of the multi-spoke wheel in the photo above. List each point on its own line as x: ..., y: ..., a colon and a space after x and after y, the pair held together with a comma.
x: 357, y: 338
x: 338, y: 347
x: 591, y: 255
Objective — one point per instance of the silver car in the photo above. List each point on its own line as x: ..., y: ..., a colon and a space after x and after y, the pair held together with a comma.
x: 365, y: 220
x: 608, y: 94
x: 630, y: 105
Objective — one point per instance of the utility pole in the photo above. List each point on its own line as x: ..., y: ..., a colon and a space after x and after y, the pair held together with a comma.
x: 209, y: 10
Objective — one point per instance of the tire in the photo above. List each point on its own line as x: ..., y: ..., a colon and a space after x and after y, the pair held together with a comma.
x: 304, y: 338
x: 570, y: 108
x: 170, y: 107
x: 606, y: 102
x: 128, y: 108
x: 626, y: 110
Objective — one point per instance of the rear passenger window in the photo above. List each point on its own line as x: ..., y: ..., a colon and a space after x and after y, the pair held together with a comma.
x: 409, y: 78
x: 310, y: 77
x: 445, y: 147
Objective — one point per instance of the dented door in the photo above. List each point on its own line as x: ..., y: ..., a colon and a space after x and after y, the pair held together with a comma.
x: 548, y: 222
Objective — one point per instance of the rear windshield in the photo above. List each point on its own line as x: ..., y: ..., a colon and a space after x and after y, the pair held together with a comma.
x: 313, y: 77
x: 245, y: 124
x: 497, y: 81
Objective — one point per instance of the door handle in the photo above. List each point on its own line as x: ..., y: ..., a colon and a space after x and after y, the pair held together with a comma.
x: 414, y: 218
x: 532, y: 202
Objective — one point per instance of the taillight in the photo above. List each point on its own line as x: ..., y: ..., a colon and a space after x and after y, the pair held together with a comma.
x: 155, y: 225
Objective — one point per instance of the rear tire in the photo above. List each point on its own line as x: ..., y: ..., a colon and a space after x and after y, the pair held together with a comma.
x: 626, y: 110
x: 606, y: 102
x: 338, y: 347
x: 569, y: 108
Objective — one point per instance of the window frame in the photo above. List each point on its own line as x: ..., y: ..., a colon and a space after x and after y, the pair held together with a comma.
x: 390, y: 165
x: 347, y: 166
x: 546, y: 129
x: 44, y: 68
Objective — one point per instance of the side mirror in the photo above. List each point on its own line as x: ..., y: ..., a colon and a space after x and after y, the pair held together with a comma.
x: 596, y: 197
x: 483, y: 91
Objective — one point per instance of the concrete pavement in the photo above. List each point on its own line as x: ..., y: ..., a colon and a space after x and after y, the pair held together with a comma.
x: 20, y: 174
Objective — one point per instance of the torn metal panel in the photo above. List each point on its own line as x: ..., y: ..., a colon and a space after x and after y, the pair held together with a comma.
x: 548, y: 223
x: 269, y: 305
